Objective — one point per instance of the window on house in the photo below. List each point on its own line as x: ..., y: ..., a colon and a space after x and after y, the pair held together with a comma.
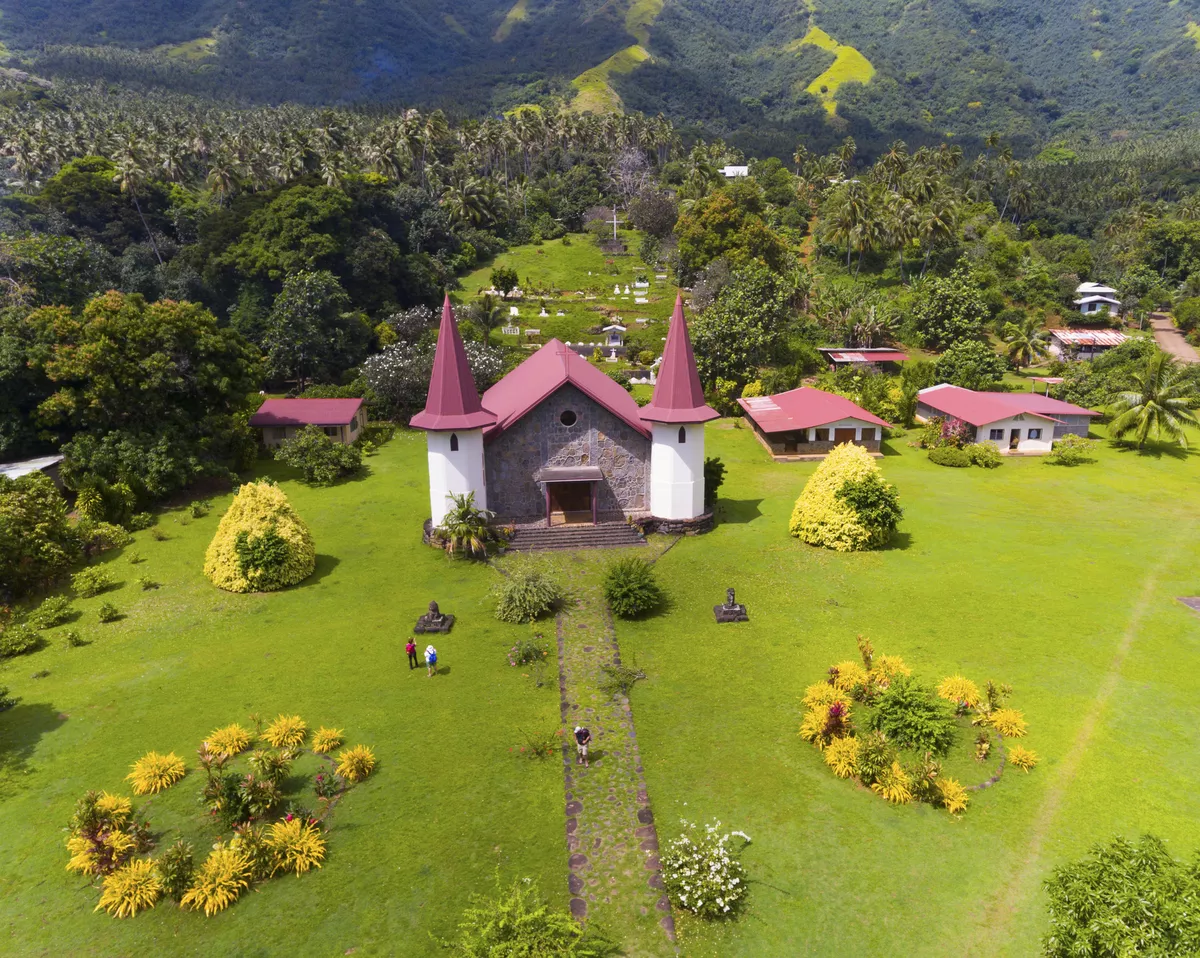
x: 1035, y: 434
x: 682, y: 435
x: 822, y: 435
x: 867, y: 434
x: 568, y: 418
x: 454, y: 442
x: 354, y: 424
x: 802, y: 435
x: 996, y: 435
x: 332, y: 431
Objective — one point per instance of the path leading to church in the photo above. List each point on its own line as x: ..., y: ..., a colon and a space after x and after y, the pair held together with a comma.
x: 612, y: 843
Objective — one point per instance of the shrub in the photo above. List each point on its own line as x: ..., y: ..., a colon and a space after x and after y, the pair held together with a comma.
x: 271, y: 767
x: 1071, y: 450
x: 525, y: 594
x: 176, y: 867
x: 529, y: 651
x: 327, y: 785
x: 229, y: 740
x: 1008, y: 722
x: 823, y: 518
x: 841, y: 755
x: 90, y: 582
x: 53, y: 611
x: 629, y: 587
x: 912, y: 716
x: 223, y: 876
x: 286, y: 731
x: 986, y: 455
x: 74, y: 639
x: 97, y: 537
x: 464, y: 528
x: 108, y: 612
x: 321, y: 459
x: 37, y: 541
x: 158, y: 535
x: 971, y: 365
x: 823, y: 694
x: 952, y: 795
x: 950, y: 456
x: 200, y: 508
x: 618, y: 679
x: 518, y: 922
x: 296, y: 845
x: 326, y: 740
x: 134, y: 558
x: 1022, y: 758
x: 101, y: 835
x: 847, y: 675
x: 701, y: 873
x: 875, y: 502
x: 1125, y: 898
x: 894, y: 784
x: 153, y: 772
x: 141, y: 520
x: 875, y: 754
x: 261, y: 545
x: 7, y: 701
x: 714, y: 478
x: 250, y: 841
x: 962, y: 692
x: 18, y: 639
x: 355, y: 764
x: 147, y: 583
x: 131, y: 889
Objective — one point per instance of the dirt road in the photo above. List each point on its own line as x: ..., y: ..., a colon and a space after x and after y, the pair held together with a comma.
x: 1170, y: 340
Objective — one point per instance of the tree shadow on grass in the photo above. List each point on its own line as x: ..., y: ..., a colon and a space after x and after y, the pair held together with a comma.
x: 738, y: 510
x: 1155, y: 449
x: 325, y: 565
x: 900, y: 542
x: 21, y: 728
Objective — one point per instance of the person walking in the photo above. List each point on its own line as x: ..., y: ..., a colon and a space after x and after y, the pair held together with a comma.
x: 583, y: 738
x: 431, y: 659
x: 411, y: 649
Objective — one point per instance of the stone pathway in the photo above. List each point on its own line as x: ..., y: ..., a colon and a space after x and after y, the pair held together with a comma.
x: 612, y: 843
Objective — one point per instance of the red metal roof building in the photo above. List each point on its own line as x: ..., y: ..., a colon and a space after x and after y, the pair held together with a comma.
x: 453, y: 401
x: 1026, y: 423
x: 281, y: 419
x: 870, y: 355
x: 807, y: 423
x: 678, y: 395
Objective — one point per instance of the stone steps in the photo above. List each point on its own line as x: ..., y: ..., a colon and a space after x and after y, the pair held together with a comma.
x: 605, y: 535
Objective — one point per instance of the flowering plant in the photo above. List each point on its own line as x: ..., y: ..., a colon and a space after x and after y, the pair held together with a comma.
x: 701, y: 873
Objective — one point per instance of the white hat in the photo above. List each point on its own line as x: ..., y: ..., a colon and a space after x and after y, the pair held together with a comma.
x: 578, y: 728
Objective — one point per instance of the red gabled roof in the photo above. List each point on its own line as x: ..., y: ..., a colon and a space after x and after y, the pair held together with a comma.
x: 803, y: 408
x: 979, y: 408
x: 547, y: 370
x: 678, y: 395
x: 306, y: 412
x: 453, y: 401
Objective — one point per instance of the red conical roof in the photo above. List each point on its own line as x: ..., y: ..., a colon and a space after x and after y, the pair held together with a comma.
x: 453, y: 401
x: 678, y: 396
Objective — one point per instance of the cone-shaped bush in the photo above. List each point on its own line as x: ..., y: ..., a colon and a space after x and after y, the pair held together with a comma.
x: 261, y: 544
x: 846, y: 505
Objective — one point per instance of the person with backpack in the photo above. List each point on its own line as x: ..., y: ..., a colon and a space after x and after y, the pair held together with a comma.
x: 431, y: 659
x: 583, y: 738
x: 411, y: 649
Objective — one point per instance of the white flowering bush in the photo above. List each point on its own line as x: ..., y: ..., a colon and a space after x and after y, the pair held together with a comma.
x: 701, y: 873
x: 399, y: 376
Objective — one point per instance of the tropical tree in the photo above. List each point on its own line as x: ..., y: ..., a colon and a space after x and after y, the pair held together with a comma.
x: 465, y: 526
x: 1160, y: 402
x: 1027, y: 341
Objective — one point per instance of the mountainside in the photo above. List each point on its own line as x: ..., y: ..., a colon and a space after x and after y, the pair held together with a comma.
x: 762, y: 72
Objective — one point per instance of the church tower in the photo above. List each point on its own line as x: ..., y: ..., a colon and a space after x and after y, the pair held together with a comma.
x: 453, y: 420
x: 677, y: 415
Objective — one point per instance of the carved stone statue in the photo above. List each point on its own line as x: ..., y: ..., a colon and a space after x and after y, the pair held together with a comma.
x: 434, y: 621
x: 732, y: 610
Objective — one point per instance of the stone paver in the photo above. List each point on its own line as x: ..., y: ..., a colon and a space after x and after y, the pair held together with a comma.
x: 612, y: 844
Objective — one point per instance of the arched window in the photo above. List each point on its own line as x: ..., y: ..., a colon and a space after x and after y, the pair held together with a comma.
x: 682, y: 435
x: 454, y: 442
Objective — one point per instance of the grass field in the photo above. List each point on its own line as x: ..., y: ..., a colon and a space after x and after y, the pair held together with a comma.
x: 596, y: 93
x: 640, y: 17
x: 849, y: 66
x: 1061, y: 582
x: 518, y: 12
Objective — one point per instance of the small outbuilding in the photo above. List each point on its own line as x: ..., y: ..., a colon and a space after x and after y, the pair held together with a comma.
x: 807, y: 423
x: 46, y: 464
x: 341, y: 419
x: 876, y: 355
x: 1083, y: 343
x: 1018, y: 423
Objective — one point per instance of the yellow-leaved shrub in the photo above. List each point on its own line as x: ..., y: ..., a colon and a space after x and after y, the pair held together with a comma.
x: 131, y: 889
x: 841, y: 755
x: 1022, y: 758
x: 822, y: 695
x: 820, y: 518
x: 261, y: 544
x: 297, y: 846
x: 229, y: 740
x: 849, y: 675
x: 286, y: 731
x: 153, y: 772
x: 894, y: 785
x: 954, y: 796
x: 325, y: 740
x: 962, y: 692
x: 223, y: 876
x: 355, y: 764
x: 1008, y: 722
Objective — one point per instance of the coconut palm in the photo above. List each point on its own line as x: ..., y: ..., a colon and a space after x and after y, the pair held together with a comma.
x: 1160, y: 402
x: 1027, y: 341
x: 465, y: 527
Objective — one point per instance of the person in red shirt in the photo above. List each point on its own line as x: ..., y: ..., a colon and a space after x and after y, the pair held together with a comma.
x: 411, y: 649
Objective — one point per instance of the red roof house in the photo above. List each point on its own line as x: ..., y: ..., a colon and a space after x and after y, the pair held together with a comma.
x: 280, y: 419
x: 1023, y: 423
x: 807, y: 423
x: 875, y: 354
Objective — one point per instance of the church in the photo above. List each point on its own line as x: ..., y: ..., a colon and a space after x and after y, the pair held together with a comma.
x: 557, y: 442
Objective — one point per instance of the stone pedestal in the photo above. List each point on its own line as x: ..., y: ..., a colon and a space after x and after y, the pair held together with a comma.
x: 433, y: 621
x: 731, y: 611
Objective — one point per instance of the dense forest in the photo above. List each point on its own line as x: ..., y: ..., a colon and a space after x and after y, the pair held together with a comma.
x: 936, y: 70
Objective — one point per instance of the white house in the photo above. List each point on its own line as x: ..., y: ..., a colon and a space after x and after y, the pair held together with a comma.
x: 1018, y: 423
x: 734, y: 172
x: 1093, y: 297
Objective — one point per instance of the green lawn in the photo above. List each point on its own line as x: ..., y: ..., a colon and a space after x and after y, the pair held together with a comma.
x: 1061, y: 582
x: 447, y: 805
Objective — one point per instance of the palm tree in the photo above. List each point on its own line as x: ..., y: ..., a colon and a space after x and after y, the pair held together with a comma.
x: 130, y: 176
x: 1160, y: 401
x: 465, y: 527
x: 1027, y: 341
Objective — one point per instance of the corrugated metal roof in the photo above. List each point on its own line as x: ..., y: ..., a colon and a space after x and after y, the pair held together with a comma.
x: 15, y: 470
x: 305, y: 412
x: 803, y: 408
x: 875, y: 354
x: 1089, y: 337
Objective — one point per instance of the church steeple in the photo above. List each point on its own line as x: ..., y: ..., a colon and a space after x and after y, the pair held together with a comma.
x: 453, y: 401
x: 678, y: 395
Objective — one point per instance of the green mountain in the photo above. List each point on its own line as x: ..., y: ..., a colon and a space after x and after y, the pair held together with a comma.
x: 762, y: 72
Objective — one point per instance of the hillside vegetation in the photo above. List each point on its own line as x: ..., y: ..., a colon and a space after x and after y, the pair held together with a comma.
x: 757, y: 73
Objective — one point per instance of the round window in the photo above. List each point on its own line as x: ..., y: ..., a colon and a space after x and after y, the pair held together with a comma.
x: 567, y: 417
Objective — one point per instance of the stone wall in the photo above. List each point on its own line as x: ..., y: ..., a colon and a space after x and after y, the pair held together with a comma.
x: 598, y: 438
